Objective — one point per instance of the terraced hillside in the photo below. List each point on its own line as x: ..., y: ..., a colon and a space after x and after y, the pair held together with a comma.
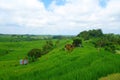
x: 83, y: 63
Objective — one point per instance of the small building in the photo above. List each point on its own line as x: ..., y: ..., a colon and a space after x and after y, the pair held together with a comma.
x: 23, y: 61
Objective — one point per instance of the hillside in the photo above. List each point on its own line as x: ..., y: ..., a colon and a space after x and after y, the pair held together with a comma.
x: 86, y: 63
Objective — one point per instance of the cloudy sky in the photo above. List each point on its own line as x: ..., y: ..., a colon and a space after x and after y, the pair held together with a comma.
x: 65, y: 17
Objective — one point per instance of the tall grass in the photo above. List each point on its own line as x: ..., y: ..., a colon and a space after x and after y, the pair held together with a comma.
x: 85, y: 63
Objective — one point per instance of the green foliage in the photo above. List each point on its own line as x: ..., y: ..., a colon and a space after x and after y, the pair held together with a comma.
x: 95, y: 33
x: 110, y: 48
x: 108, y: 41
x: 62, y: 37
x: 58, y: 37
x: 47, y: 47
x: 5, y: 52
x: 81, y: 64
x: 113, y: 38
x: 77, y: 42
x: 18, y: 38
x: 34, y: 54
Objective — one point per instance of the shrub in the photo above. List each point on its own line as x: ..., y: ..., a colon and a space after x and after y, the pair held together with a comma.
x: 110, y: 48
x: 77, y: 42
x: 34, y: 54
x: 106, y: 43
x: 47, y: 47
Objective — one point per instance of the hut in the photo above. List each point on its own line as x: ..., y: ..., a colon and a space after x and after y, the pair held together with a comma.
x: 23, y: 61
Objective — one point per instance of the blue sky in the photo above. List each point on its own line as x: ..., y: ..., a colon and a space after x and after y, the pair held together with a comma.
x: 65, y: 17
x: 103, y: 3
x: 48, y: 2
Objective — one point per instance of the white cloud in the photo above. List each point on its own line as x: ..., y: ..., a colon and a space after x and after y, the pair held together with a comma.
x: 71, y: 18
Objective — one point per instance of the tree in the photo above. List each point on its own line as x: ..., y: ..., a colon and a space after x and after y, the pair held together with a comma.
x: 47, y: 47
x: 77, y: 42
x: 34, y: 54
x: 109, y: 42
x: 84, y: 35
x: 111, y: 48
x: 95, y: 33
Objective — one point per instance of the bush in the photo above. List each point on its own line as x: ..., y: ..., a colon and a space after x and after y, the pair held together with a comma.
x: 110, y: 48
x: 34, y: 54
x: 106, y: 43
x: 47, y: 47
x: 77, y: 42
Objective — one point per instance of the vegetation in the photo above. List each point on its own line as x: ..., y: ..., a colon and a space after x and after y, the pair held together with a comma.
x: 17, y: 38
x: 34, y: 54
x: 109, y: 42
x: 85, y: 63
x: 62, y: 37
x: 86, y: 35
x: 47, y: 47
x: 77, y: 42
x: 4, y: 52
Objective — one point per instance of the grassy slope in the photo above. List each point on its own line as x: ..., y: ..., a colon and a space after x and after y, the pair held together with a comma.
x: 19, y: 49
x: 82, y: 64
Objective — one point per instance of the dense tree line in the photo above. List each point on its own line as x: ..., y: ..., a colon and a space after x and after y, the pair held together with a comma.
x: 61, y: 37
x: 25, y: 37
x: 109, y: 42
x: 86, y: 35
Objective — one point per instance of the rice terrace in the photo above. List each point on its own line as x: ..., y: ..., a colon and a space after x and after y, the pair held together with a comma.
x: 93, y: 56
x: 59, y: 39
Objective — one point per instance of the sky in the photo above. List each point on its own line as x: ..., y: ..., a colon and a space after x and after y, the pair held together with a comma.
x: 59, y: 17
